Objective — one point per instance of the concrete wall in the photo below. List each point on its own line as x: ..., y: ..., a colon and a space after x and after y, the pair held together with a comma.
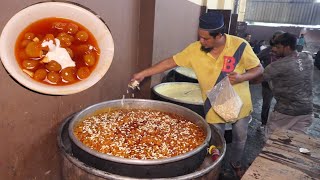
x: 29, y: 120
x: 176, y: 24
x: 199, y: 2
x: 220, y: 4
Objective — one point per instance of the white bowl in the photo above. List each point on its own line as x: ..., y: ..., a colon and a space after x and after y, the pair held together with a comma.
x: 70, y: 11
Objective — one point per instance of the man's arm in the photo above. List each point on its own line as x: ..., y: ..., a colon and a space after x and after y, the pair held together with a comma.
x: 247, y: 76
x: 162, y: 66
x: 257, y: 80
x: 264, y: 56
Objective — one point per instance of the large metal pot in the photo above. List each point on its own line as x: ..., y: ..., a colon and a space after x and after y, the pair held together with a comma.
x: 181, y: 74
x: 168, y: 167
x: 74, y: 169
x: 185, y: 94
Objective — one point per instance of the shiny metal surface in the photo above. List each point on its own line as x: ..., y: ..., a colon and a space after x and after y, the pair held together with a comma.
x: 154, y: 89
x: 196, y: 107
x: 73, y: 168
x: 138, y: 168
x: 188, y: 72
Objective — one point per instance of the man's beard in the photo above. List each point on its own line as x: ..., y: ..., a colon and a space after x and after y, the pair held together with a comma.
x: 277, y: 55
x: 206, y: 50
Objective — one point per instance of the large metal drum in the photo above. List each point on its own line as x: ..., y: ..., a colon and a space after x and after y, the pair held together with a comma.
x: 181, y: 74
x: 75, y: 169
x: 185, y: 94
x: 167, y: 167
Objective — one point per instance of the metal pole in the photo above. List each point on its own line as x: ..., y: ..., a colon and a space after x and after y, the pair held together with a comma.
x: 236, y: 7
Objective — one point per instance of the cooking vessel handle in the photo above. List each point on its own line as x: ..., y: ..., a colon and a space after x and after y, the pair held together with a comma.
x: 214, y: 152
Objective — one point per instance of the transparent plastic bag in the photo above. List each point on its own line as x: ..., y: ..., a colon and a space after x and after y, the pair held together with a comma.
x: 225, y: 101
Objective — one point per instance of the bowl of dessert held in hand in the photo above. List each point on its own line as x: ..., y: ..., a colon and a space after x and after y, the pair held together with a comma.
x: 56, y: 48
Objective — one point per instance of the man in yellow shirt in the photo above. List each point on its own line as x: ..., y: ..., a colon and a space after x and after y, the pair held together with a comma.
x: 213, y: 57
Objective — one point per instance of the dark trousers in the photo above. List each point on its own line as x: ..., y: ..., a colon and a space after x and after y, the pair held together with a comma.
x: 266, y: 102
x: 299, y: 48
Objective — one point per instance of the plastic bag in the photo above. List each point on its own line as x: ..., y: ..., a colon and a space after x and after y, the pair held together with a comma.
x: 225, y: 101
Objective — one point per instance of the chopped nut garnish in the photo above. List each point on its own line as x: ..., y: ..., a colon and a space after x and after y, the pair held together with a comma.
x: 139, y: 134
x: 134, y: 84
x: 230, y: 109
x: 30, y: 73
x: 35, y: 39
x: 45, y: 60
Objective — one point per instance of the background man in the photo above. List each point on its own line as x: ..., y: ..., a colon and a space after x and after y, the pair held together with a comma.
x: 317, y: 60
x: 301, y: 42
x: 266, y: 57
x: 290, y: 79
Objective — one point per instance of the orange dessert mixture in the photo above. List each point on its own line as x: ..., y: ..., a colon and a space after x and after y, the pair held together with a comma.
x: 139, y: 134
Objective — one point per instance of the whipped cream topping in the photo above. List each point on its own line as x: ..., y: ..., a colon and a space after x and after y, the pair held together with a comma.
x: 58, y: 54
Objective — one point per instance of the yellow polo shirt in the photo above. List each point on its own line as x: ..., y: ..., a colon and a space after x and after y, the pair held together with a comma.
x: 208, y: 69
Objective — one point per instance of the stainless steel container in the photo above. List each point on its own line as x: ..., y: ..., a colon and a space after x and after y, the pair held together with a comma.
x: 184, y: 74
x: 74, y: 169
x: 181, y: 74
x: 168, y: 167
x: 196, y: 106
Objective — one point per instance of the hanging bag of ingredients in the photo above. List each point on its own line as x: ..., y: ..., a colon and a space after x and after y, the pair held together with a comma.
x: 225, y: 101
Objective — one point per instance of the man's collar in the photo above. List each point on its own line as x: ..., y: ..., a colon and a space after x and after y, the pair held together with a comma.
x: 227, y: 36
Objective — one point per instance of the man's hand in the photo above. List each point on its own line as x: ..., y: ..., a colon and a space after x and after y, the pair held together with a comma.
x: 235, y: 78
x: 155, y: 69
x: 249, y: 75
x: 137, y: 77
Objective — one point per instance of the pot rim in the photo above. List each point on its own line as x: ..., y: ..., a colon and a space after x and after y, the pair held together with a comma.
x: 184, y: 75
x: 172, y: 99
x: 87, y: 111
